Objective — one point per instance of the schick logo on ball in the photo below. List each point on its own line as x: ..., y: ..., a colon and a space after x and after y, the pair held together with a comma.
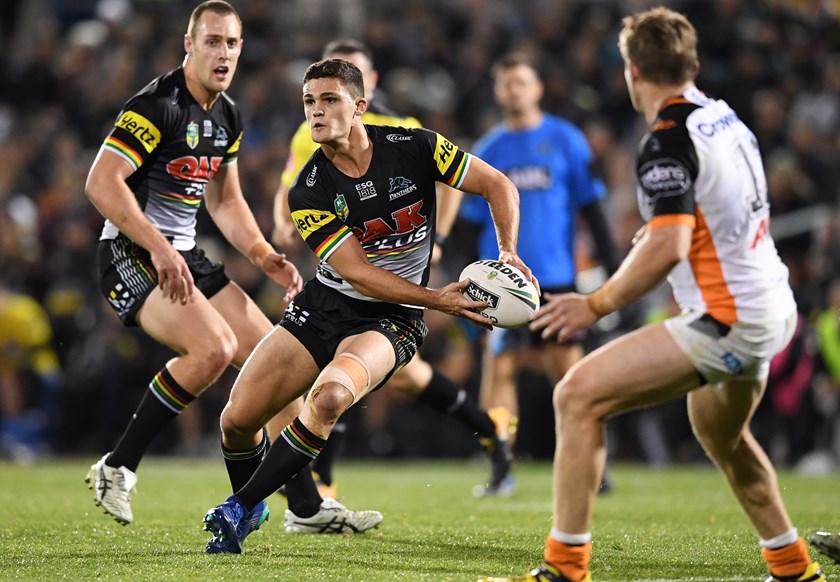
x: 477, y: 293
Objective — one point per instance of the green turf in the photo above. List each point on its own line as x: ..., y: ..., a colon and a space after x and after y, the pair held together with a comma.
x: 679, y: 524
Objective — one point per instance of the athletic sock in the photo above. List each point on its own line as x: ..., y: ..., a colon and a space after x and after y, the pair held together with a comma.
x: 443, y: 395
x: 788, y: 561
x: 291, y: 452
x: 323, y: 464
x: 164, y: 400
x: 572, y: 560
x: 302, y: 494
x: 241, y: 465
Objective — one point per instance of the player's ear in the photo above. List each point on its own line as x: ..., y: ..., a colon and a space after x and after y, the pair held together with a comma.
x: 187, y: 43
x: 361, y: 106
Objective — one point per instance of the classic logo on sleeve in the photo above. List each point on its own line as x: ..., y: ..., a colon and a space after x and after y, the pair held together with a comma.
x: 144, y: 130
x: 664, y: 177
x: 444, y: 153
x: 308, y: 221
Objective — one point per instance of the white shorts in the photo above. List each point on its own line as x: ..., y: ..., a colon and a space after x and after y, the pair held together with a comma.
x: 740, y: 352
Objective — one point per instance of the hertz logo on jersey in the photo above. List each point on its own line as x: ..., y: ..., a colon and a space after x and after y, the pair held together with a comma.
x: 308, y: 221
x: 444, y: 153
x: 141, y: 128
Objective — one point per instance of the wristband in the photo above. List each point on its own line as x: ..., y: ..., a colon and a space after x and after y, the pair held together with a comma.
x: 440, y: 238
x: 259, y: 251
x: 600, y: 303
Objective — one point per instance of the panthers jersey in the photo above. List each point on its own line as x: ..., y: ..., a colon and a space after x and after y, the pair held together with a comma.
x: 699, y: 165
x: 302, y: 146
x: 390, y: 210
x: 175, y: 147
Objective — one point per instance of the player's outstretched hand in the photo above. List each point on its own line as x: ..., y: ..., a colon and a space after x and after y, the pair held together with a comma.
x: 514, y: 260
x: 174, y: 277
x: 451, y: 299
x: 283, y: 272
x: 562, y: 314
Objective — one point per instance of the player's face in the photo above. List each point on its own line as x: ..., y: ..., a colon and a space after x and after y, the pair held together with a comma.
x: 214, y: 50
x: 518, y: 90
x: 329, y: 108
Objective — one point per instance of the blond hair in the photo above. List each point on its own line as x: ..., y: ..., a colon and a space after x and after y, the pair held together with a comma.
x: 662, y: 44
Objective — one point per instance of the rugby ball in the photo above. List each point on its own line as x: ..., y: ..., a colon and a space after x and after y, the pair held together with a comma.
x: 512, y: 298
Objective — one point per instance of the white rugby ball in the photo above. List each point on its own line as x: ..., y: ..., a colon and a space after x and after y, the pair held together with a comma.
x: 512, y: 298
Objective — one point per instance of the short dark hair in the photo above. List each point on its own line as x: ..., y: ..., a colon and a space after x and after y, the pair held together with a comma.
x: 218, y: 6
x: 346, y: 46
x: 511, y: 60
x: 347, y: 72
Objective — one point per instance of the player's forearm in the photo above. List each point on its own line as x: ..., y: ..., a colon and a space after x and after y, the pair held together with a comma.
x: 504, y: 208
x: 237, y: 224
x: 282, y: 215
x: 645, y: 267
x: 378, y: 283
x: 115, y: 201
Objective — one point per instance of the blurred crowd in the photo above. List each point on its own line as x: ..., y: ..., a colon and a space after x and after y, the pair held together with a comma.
x: 70, y: 374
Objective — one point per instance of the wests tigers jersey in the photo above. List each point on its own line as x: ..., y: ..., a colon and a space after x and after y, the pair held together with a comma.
x: 390, y: 210
x: 175, y: 148
x: 700, y: 165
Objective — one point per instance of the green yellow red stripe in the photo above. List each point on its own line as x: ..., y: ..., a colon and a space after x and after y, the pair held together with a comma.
x: 460, y: 171
x: 326, y: 248
x: 303, y: 443
x: 184, y: 200
x: 167, y: 393
x: 123, y: 150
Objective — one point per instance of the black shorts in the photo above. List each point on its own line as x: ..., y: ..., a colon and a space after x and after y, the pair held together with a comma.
x: 320, y: 317
x: 126, y: 275
x: 501, y: 340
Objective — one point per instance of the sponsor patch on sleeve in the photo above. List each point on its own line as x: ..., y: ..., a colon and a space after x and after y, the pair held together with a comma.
x: 235, y: 147
x: 664, y: 177
x: 141, y: 128
x: 308, y: 221
x: 444, y: 153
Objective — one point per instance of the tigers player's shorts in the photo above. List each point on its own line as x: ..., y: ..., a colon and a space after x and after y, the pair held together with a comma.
x: 501, y: 340
x: 720, y: 352
x: 126, y: 275
x: 320, y: 317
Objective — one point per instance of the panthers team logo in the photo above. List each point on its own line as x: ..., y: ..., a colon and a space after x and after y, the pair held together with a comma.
x: 192, y: 135
x: 400, y: 186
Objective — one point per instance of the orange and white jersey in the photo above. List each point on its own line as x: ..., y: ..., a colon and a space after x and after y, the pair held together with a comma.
x: 700, y: 165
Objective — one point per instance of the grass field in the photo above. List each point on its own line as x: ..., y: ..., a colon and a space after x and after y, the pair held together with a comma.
x: 679, y: 524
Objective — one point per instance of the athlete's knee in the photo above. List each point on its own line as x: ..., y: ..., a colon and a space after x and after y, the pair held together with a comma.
x: 217, y: 350
x: 572, y: 396
x: 237, y: 430
x: 340, y: 384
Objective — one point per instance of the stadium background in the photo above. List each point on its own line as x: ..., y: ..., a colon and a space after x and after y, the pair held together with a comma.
x: 70, y: 65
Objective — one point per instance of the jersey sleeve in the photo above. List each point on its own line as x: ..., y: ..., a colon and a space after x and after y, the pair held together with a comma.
x: 667, y: 171
x: 316, y: 215
x: 233, y: 151
x: 138, y: 131
x: 583, y: 186
x: 449, y: 162
x: 300, y: 150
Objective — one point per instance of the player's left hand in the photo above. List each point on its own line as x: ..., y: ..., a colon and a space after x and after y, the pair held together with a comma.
x: 561, y: 315
x: 513, y: 259
x: 283, y: 272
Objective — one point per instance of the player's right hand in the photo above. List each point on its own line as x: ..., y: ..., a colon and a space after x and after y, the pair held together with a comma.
x: 451, y: 299
x: 174, y: 277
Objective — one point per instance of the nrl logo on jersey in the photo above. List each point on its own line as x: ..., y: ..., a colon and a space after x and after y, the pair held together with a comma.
x: 341, y: 209
x: 221, y: 139
x: 400, y: 186
x: 397, y: 137
x: 192, y: 134
x: 310, y: 179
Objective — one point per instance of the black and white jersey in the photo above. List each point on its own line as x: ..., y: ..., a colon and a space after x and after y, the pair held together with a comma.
x: 700, y: 165
x: 175, y: 147
x: 390, y: 210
